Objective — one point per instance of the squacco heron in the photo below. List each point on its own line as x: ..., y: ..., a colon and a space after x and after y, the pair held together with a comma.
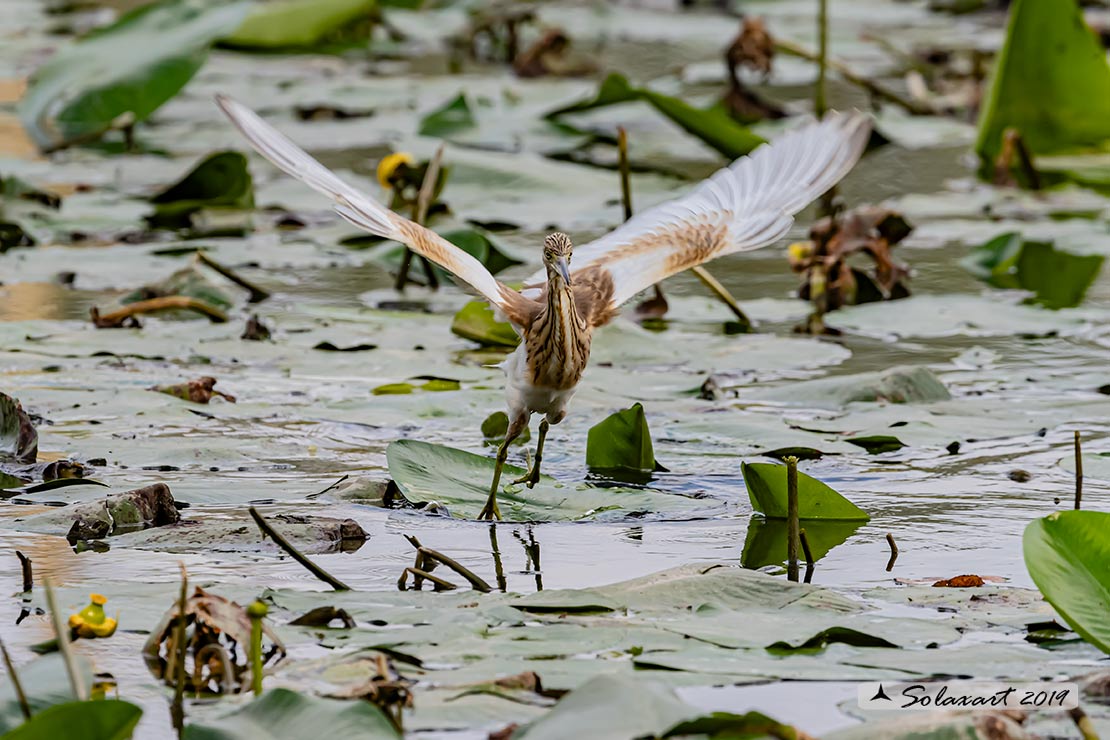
x: 745, y: 206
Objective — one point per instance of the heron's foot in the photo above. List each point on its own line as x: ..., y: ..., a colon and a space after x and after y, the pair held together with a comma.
x: 490, y: 511
x: 532, y: 477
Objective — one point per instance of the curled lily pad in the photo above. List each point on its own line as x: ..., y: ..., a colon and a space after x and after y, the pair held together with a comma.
x: 221, y: 180
x: 620, y: 446
x: 766, y: 483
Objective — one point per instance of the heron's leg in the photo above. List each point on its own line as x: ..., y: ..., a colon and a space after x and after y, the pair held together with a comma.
x: 516, y: 426
x: 532, y: 477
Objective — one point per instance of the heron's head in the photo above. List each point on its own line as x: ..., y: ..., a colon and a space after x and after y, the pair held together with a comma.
x: 556, y: 256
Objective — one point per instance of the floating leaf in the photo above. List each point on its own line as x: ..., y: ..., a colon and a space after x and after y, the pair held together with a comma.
x: 109, y: 719
x: 46, y: 684
x: 426, y: 472
x: 1051, y: 82
x: 496, y: 426
x: 221, y: 180
x: 129, y: 68
x: 877, y: 444
x: 766, y: 483
x: 477, y: 322
x: 621, y: 444
x: 1066, y: 554
x: 452, y: 118
x: 713, y: 126
x: 1057, y: 279
x: 294, y: 24
x: 281, y: 714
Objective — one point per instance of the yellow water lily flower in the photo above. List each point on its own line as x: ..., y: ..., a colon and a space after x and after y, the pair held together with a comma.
x: 799, y: 251
x: 389, y: 165
x: 91, y: 621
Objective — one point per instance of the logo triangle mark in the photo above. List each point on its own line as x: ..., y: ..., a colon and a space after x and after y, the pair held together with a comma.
x: 881, y: 694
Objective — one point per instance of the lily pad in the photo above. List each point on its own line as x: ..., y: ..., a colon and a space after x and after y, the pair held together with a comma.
x: 109, y: 719
x: 1057, y: 279
x: 298, y: 24
x: 45, y: 683
x: 766, y: 483
x: 1066, y: 554
x: 281, y: 714
x: 713, y: 125
x: 477, y: 322
x: 453, y: 117
x: 427, y: 472
x: 221, y: 180
x: 125, y: 72
x: 876, y: 444
x: 620, y: 445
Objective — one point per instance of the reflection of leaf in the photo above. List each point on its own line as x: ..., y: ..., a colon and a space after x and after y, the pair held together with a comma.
x: 713, y: 126
x: 131, y: 67
x: 621, y: 442
x: 766, y: 484
x: 221, y: 180
x: 281, y: 714
x: 765, y: 543
x: 1051, y: 82
x: 452, y: 118
x: 1057, y: 279
x: 477, y: 322
x: 1066, y: 555
x: 111, y: 719
x: 461, y: 480
x: 290, y: 24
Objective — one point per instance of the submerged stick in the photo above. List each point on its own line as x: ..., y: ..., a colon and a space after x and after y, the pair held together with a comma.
x: 181, y: 648
x: 154, y: 305
x: 1078, y: 471
x: 476, y: 581
x: 296, y: 554
x: 789, y: 47
x: 17, y: 685
x: 28, y: 575
x: 62, y: 633
x: 819, y: 104
x: 792, y: 536
x: 438, y: 583
x: 893, y: 552
x: 257, y: 295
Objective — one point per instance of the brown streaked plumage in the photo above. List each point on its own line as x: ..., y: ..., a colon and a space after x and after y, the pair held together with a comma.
x: 745, y: 206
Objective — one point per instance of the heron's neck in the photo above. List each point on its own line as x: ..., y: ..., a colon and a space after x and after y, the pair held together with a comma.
x: 561, y: 311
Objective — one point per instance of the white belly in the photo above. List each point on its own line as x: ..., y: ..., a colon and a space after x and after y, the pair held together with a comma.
x: 523, y: 397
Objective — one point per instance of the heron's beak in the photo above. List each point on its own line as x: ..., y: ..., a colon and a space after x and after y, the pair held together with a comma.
x: 563, y: 268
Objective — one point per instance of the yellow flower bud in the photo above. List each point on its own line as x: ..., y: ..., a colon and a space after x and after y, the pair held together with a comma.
x: 389, y: 164
x: 91, y: 621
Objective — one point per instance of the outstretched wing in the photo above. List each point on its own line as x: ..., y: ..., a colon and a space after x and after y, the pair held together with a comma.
x: 747, y: 205
x: 366, y: 213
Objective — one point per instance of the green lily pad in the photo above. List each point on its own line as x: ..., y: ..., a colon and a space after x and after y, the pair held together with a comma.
x: 477, y: 322
x: 281, y: 714
x: 460, y: 480
x: 299, y: 24
x: 453, y: 117
x: 713, y: 125
x: 1056, y: 278
x: 766, y: 483
x: 128, y: 69
x: 1051, y: 82
x: 877, y: 444
x: 619, y: 446
x: 108, y: 719
x: 221, y: 180
x: 1066, y: 554
x: 496, y: 426
x: 46, y: 684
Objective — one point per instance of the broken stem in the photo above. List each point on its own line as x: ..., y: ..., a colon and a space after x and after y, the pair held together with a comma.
x: 1083, y: 724
x: 622, y: 164
x: 1078, y: 471
x: 437, y: 582
x: 296, y: 554
x: 153, y: 305
x: 177, y: 709
x: 789, y: 47
x: 419, y: 215
x: 893, y: 551
x: 257, y: 295
x: 28, y: 575
x: 722, y: 293
x: 17, y: 685
x: 805, y: 548
x: 475, y: 581
x: 792, y: 537
x: 819, y: 104
x: 62, y: 633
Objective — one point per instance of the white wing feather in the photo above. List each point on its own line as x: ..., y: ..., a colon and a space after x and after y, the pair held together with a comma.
x: 360, y: 209
x: 745, y: 206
